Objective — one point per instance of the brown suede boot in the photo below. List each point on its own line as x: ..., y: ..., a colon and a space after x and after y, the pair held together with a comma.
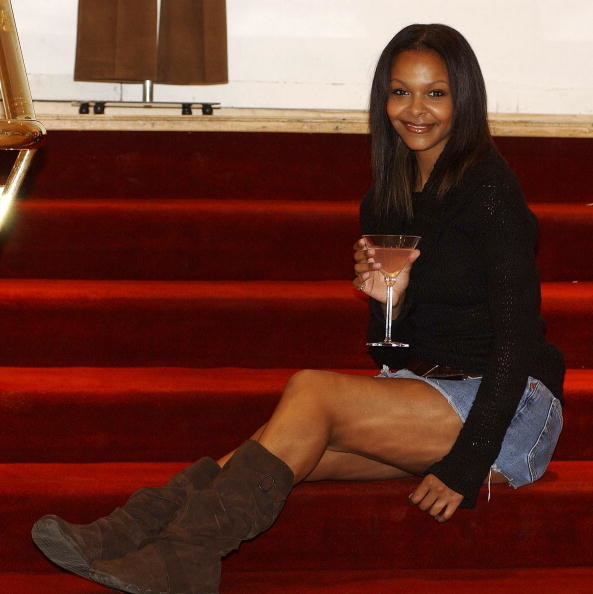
x: 243, y: 500
x: 75, y: 546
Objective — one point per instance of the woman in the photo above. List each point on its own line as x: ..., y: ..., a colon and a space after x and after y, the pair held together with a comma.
x: 477, y: 393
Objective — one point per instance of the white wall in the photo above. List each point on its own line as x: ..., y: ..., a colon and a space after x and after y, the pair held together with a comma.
x: 536, y: 55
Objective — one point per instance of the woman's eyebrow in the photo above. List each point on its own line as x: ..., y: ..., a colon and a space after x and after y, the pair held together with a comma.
x: 434, y: 82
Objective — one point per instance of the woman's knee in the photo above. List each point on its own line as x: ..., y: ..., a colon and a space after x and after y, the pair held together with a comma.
x: 306, y: 384
x: 302, y: 381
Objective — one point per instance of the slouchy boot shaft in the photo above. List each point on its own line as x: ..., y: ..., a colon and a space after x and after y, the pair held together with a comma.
x: 243, y: 501
x: 74, y: 546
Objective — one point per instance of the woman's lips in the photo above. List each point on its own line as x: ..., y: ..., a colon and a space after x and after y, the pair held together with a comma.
x: 418, y: 128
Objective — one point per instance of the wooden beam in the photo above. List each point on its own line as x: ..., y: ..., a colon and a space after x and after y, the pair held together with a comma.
x: 65, y: 116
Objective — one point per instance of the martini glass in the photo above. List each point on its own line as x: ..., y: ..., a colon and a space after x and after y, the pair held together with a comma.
x: 393, y: 252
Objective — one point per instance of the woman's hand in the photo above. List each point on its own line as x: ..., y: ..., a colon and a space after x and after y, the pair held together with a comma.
x: 369, y: 279
x: 434, y: 497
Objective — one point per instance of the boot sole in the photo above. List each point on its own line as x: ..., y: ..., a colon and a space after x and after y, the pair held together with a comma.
x: 116, y: 584
x: 59, y: 547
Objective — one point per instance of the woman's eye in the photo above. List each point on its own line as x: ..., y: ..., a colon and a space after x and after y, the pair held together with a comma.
x: 398, y: 92
x: 437, y: 93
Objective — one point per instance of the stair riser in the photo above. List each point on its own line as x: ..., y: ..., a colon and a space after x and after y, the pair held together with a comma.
x: 371, y: 527
x: 191, y: 241
x: 193, y: 331
x: 125, y: 423
x: 309, y: 325
x: 553, y: 580
x: 200, y: 240
x: 256, y: 165
x: 87, y: 429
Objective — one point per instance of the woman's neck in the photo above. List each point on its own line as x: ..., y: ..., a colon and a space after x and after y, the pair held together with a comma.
x: 424, y: 168
x: 425, y: 162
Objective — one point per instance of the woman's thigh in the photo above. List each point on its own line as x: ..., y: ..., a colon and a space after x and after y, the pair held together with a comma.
x: 341, y: 466
x: 401, y: 422
x: 345, y: 466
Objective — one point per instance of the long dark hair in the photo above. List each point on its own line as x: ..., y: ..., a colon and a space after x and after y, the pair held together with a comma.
x: 394, y: 165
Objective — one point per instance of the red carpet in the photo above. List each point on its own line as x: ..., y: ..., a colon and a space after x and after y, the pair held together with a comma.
x: 82, y: 402
x: 335, y: 526
x: 157, y: 293
x: 116, y: 323
x: 554, y: 580
x: 167, y: 240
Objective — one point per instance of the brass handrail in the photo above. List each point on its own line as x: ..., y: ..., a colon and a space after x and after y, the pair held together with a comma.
x: 19, y: 130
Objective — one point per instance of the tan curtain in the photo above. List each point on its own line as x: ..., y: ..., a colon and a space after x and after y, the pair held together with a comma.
x: 192, y: 42
x: 117, y: 40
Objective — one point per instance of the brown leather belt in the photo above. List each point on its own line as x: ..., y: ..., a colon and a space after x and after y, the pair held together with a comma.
x: 426, y: 369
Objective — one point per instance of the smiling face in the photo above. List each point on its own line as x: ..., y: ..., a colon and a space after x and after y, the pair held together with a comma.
x: 420, y: 106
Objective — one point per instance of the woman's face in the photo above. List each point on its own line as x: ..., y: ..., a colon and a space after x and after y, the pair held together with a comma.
x: 420, y: 106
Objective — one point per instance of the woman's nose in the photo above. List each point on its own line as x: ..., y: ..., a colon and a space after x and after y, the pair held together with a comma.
x: 417, y: 106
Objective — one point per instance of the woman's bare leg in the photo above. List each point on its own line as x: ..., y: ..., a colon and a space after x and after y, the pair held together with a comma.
x: 341, y: 466
x: 400, y: 422
x: 330, y: 426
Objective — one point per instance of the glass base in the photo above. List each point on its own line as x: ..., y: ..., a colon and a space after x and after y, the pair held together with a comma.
x: 388, y: 344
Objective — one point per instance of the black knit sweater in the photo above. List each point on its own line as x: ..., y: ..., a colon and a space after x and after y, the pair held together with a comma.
x: 473, y: 303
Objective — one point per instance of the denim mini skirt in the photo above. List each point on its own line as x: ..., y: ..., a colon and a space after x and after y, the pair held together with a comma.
x: 530, y: 440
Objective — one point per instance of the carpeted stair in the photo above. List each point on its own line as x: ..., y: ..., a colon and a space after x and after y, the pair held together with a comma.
x: 157, y: 291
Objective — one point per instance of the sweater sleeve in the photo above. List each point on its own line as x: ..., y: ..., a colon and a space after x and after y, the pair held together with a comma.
x: 504, y: 232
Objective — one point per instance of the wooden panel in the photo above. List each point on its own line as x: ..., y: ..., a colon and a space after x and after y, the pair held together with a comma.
x: 64, y: 116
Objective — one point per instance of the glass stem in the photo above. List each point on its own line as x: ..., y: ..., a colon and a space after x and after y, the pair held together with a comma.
x: 389, y: 312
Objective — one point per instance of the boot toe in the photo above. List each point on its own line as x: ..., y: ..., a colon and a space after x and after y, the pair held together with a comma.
x: 53, y: 537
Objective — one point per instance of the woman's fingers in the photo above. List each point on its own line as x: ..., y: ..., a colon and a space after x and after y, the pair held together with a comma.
x: 360, y: 244
x: 367, y: 272
x: 412, y: 258
x: 364, y: 261
x: 371, y: 284
x: 434, y: 497
x: 361, y: 280
x: 446, y: 513
x: 364, y: 255
x: 362, y: 267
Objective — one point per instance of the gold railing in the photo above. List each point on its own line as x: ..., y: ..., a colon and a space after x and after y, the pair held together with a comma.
x: 19, y: 130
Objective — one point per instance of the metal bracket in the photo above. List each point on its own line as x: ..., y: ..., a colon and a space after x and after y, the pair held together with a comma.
x: 99, y: 107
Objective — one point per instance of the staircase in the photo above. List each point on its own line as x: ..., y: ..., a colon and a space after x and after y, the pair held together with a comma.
x: 157, y: 291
